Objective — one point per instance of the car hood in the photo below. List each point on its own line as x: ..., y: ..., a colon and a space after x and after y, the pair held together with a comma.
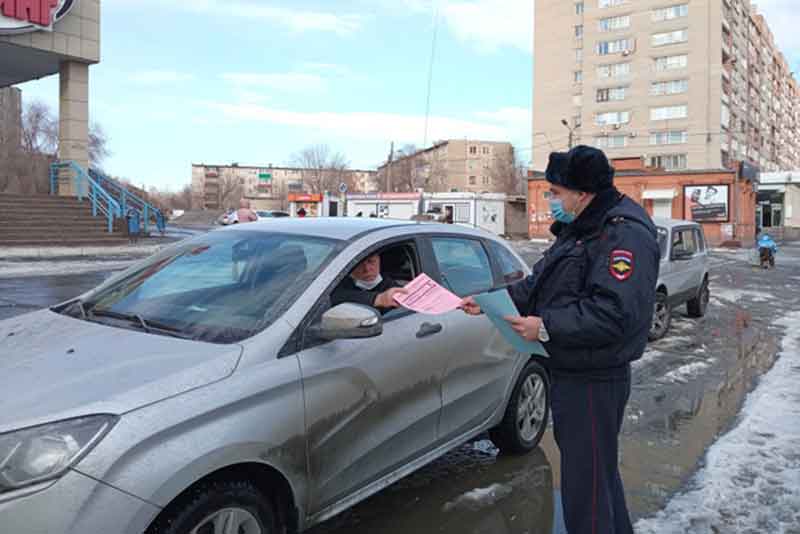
x: 54, y: 367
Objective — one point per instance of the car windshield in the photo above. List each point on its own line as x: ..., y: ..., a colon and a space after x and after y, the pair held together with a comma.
x: 662, y: 241
x: 221, y: 287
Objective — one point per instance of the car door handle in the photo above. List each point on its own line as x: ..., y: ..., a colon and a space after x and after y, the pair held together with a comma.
x: 428, y: 329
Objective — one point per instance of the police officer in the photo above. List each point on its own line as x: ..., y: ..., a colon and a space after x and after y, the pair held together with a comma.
x: 590, y: 302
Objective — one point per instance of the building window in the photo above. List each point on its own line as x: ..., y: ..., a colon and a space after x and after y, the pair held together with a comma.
x: 617, y: 46
x: 579, y: 8
x: 485, y: 150
x: 668, y: 38
x: 611, y: 94
x: 579, y: 31
x: 472, y: 180
x: 485, y: 180
x: 671, y: 62
x: 676, y: 137
x: 611, y: 141
x: 670, y: 13
x: 612, y: 117
x: 579, y: 54
x: 577, y: 76
x: 604, y: 4
x: 473, y: 150
x: 611, y: 24
x: 669, y: 112
x: 614, y: 70
x: 673, y: 87
x: 670, y: 162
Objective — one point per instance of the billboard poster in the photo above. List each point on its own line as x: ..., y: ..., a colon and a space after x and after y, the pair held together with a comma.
x: 706, y: 203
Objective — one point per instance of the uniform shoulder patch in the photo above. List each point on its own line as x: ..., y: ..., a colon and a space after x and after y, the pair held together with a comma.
x: 621, y: 264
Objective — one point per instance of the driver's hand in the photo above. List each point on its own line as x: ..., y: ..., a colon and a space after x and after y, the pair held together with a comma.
x: 469, y: 306
x: 386, y: 299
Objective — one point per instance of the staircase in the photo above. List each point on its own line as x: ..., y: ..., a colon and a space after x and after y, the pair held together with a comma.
x: 43, y: 220
x: 131, y: 199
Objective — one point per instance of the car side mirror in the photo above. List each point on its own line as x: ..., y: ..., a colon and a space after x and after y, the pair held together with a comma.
x: 349, y: 321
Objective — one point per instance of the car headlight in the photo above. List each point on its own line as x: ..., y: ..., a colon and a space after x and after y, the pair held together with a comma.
x: 45, y: 452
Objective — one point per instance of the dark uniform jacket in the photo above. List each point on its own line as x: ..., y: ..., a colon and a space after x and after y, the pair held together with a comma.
x: 349, y: 292
x: 595, y: 287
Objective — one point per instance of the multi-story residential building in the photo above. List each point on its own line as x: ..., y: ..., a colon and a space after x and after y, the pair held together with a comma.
x: 10, y: 117
x: 221, y: 186
x: 686, y: 84
x: 455, y: 165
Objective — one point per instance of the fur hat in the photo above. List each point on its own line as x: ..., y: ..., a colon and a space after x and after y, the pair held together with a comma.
x: 583, y: 168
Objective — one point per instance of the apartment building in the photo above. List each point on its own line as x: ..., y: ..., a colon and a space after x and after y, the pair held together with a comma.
x: 218, y: 187
x: 454, y: 165
x: 684, y: 84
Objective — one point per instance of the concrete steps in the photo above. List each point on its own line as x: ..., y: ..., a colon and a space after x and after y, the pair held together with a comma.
x: 43, y: 220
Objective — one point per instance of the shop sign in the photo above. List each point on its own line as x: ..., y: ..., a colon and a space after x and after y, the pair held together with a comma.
x: 304, y: 198
x: 23, y: 16
x: 265, y: 176
x: 706, y: 203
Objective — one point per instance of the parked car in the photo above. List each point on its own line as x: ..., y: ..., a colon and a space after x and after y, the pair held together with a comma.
x: 231, y: 216
x: 213, y: 388
x: 270, y: 214
x: 683, y: 274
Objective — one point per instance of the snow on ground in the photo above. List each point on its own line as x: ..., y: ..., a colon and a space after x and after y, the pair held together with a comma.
x: 750, y: 481
x: 650, y: 355
x: 479, y: 498
x: 734, y: 295
x: 15, y: 269
x: 686, y: 372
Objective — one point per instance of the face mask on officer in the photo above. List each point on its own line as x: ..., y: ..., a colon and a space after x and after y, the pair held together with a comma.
x: 565, y: 204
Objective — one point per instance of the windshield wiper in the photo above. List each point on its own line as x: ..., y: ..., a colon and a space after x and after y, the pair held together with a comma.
x: 148, y: 326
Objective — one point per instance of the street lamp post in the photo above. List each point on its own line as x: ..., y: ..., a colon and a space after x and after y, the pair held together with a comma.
x: 571, y: 131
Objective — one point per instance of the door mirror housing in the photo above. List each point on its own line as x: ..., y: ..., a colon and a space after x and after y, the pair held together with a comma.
x: 349, y: 321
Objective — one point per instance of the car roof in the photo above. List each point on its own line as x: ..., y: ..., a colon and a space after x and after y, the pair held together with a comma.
x: 672, y: 223
x: 341, y: 228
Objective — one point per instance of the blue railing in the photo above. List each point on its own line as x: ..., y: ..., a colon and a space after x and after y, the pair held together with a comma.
x: 128, y: 201
x: 86, y: 187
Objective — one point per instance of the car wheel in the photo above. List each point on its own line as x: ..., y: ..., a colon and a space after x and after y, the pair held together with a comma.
x: 662, y: 316
x: 527, y: 413
x: 220, y: 506
x: 697, y: 306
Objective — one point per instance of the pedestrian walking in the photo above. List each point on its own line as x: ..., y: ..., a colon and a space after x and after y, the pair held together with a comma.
x: 134, y: 229
x: 301, y: 212
x: 244, y: 214
x: 590, y: 302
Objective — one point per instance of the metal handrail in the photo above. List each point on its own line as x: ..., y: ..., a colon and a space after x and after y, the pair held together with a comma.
x: 144, y: 208
x: 101, y: 200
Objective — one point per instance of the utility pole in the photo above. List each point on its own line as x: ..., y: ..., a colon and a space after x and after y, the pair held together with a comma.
x: 571, y: 131
x: 389, y: 169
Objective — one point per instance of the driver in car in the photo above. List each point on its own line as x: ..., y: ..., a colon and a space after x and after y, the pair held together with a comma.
x: 367, y: 286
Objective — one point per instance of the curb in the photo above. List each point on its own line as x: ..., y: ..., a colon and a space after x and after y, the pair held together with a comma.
x: 73, y: 252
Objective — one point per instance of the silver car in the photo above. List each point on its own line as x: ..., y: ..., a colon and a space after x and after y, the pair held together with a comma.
x: 683, y: 273
x: 213, y: 388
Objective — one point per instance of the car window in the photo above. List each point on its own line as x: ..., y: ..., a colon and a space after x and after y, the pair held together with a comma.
x: 662, y: 241
x: 463, y: 264
x: 683, y: 242
x: 219, y: 287
x: 511, y: 269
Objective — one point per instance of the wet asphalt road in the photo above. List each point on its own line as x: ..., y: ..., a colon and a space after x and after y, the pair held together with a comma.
x: 688, y: 388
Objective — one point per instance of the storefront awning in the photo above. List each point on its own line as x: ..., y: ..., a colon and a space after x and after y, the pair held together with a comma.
x: 658, y: 194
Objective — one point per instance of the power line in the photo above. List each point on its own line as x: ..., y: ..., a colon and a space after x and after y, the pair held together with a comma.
x: 430, y: 75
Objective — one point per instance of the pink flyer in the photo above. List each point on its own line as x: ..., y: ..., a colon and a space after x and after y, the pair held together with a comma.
x: 426, y: 296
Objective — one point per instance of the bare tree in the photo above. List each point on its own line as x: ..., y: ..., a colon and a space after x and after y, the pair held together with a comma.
x: 231, y: 189
x: 39, y: 129
x: 508, y: 173
x: 321, y: 169
x: 98, y: 145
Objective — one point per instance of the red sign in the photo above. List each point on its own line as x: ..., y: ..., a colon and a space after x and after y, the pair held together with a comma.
x: 18, y: 16
x: 298, y: 197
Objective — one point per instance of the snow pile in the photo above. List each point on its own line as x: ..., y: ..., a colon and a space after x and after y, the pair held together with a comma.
x: 479, y: 498
x: 751, y: 478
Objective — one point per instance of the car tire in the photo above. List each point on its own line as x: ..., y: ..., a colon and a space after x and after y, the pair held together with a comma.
x: 662, y: 317
x: 210, y: 506
x: 527, y: 413
x: 697, y: 306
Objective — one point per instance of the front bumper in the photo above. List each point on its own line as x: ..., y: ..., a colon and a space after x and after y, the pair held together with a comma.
x: 74, y: 504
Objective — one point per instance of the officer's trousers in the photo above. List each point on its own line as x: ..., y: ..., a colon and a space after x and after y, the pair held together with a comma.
x: 587, y: 417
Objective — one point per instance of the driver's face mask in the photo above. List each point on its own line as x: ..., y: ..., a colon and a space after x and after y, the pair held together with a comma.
x: 368, y: 286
